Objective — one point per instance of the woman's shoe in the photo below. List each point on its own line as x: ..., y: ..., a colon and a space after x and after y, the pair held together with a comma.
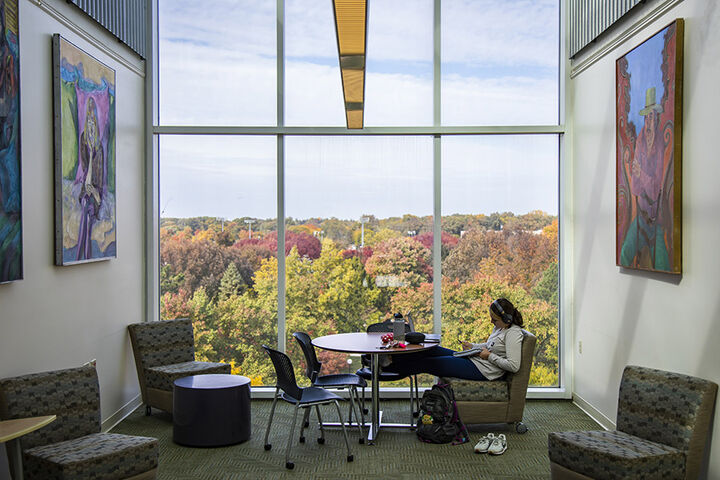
x: 498, y: 445
x: 484, y: 443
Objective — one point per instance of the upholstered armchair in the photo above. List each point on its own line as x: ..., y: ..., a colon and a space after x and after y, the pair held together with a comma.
x: 661, y: 431
x: 497, y: 401
x: 72, y: 446
x: 165, y: 351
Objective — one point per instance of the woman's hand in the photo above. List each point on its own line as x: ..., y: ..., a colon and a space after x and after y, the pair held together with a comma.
x: 484, y: 353
x: 466, y: 345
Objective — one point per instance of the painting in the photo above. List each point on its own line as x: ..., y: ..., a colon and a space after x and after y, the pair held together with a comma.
x: 84, y: 111
x: 11, y: 245
x: 649, y: 153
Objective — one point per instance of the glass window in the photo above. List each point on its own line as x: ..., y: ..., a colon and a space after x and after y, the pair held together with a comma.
x: 218, y: 263
x: 399, y: 71
x: 500, y: 62
x: 217, y: 62
x: 500, y: 238
x: 313, y: 90
x: 359, y: 236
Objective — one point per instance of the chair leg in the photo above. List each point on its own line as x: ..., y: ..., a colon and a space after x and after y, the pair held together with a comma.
x: 412, y: 398
x: 148, y: 410
x: 305, y: 423
x: 320, y: 440
x: 347, y: 442
x: 416, y: 413
x: 364, y: 409
x: 288, y: 463
x: 352, y: 394
x: 272, y: 412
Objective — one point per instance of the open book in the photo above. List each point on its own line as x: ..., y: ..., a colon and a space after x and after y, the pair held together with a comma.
x: 468, y: 353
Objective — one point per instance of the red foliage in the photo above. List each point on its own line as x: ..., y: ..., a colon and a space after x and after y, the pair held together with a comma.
x: 426, y: 239
x: 307, y: 245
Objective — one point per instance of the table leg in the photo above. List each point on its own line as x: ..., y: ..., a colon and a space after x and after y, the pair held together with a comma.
x: 375, y: 422
x: 17, y: 464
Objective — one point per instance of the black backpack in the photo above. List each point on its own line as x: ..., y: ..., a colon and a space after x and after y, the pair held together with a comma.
x: 439, y: 421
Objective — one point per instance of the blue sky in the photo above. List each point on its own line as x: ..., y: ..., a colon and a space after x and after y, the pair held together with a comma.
x: 644, y: 66
x: 217, y: 67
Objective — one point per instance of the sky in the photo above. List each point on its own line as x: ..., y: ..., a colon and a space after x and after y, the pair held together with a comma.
x: 217, y: 67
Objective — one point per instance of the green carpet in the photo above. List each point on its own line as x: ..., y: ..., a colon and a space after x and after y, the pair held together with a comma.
x: 397, y: 454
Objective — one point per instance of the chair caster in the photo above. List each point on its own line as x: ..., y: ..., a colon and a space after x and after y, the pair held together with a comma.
x: 350, y: 458
x: 268, y: 446
x: 148, y: 410
x: 521, y: 427
x: 321, y: 441
x: 289, y: 465
x: 302, y: 439
x: 361, y: 441
x: 416, y: 414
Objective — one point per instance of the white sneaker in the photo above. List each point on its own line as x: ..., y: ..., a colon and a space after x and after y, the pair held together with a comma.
x: 484, y: 443
x: 498, y: 445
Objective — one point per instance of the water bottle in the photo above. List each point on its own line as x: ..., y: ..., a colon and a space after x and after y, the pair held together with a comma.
x: 398, y: 327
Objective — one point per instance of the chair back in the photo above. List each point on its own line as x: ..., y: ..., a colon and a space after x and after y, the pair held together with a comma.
x: 313, y: 365
x: 669, y: 408
x: 72, y: 394
x: 384, y: 327
x: 518, y: 381
x: 162, y: 343
x: 284, y: 373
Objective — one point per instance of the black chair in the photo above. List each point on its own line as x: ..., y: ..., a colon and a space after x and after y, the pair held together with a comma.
x: 300, y: 397
x: 366, y: 372
x: 350, y: 381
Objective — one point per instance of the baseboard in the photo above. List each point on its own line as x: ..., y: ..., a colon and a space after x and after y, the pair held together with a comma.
x: 120, y: 415
x: 593, y: 412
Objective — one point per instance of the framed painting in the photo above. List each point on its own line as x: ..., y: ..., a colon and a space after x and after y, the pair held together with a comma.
x: 648, y: 83
x: 11, y: 244
x: 84, y: 124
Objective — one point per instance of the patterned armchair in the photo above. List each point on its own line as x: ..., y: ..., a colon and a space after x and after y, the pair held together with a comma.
x: 498, y: 401
x: 662, y: 427
x: 165, y: 351
x: 72, y: 446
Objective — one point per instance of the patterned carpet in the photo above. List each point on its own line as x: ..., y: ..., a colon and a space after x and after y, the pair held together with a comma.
x: 397, y: 453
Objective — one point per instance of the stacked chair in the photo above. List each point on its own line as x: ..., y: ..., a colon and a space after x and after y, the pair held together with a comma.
x: 288, y: 390
x: 72, y: 446
x: 338, y: 381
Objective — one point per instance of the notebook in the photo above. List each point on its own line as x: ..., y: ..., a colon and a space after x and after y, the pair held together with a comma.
x: 468, y: 353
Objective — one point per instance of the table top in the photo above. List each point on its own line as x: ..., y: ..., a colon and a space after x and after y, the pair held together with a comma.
x: 364, y: 343
x: 11, y: 429
x: 212, y: 381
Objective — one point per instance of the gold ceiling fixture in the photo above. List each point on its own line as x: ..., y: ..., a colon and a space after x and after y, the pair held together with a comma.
x: 351, y: 30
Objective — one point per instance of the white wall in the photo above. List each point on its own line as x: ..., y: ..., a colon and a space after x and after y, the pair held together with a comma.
x: 61, y: 317
x: 626, y: 317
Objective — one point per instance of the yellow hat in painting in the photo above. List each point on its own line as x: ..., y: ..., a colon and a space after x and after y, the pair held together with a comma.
x: 650, y: 105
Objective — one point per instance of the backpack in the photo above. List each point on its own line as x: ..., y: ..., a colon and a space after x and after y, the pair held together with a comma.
x: 439, y: 421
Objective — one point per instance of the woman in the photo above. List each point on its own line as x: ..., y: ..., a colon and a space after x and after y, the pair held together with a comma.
x: 499, y: 354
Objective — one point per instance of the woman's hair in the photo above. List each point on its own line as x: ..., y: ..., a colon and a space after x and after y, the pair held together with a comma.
x: 510, y: 311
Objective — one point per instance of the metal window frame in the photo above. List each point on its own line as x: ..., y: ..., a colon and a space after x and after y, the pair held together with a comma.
x: 437, y: 131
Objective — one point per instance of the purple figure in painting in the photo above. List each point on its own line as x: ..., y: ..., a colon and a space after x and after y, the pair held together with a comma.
x: 644, y: 245
x: 91, y: 176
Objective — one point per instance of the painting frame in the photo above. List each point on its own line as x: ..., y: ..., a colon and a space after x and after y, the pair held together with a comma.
x: 648, y: 176
x: 11, y: 217
x: 84, y: 111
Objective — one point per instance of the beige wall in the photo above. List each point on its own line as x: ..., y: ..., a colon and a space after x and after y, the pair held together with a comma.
x: 626, y: 317
x: 60, y: 317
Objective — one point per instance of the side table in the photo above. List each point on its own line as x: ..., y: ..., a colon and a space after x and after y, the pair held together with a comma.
x: 14, y: 429
x: 211, y: 410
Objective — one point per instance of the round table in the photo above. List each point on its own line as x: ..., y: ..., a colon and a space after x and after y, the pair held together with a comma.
x: 371, y: 344
x: 211, y: 410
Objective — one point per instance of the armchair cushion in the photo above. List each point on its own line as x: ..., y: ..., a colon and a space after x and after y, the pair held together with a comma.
x: 163, y: 343
x: 473, y: 391
x: 615, y: 455
x: 105, y: 456
x: 162, y: 377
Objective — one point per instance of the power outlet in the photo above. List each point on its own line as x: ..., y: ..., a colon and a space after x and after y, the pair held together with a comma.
x: 580, y: 347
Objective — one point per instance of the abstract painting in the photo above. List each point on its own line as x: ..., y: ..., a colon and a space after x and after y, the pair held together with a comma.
x: 84, y: 110
x: 649, y: 150
x: 11, y: 251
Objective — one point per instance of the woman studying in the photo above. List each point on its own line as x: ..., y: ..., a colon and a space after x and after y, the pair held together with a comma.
x: 489, y: 360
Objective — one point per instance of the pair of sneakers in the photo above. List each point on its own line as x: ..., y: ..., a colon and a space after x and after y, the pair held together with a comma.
x: 492, y: 444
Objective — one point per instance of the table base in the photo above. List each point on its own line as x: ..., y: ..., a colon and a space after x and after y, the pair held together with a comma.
x: 372, y: 433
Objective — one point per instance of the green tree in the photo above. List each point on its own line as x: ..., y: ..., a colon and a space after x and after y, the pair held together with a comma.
x: 231, y: 283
